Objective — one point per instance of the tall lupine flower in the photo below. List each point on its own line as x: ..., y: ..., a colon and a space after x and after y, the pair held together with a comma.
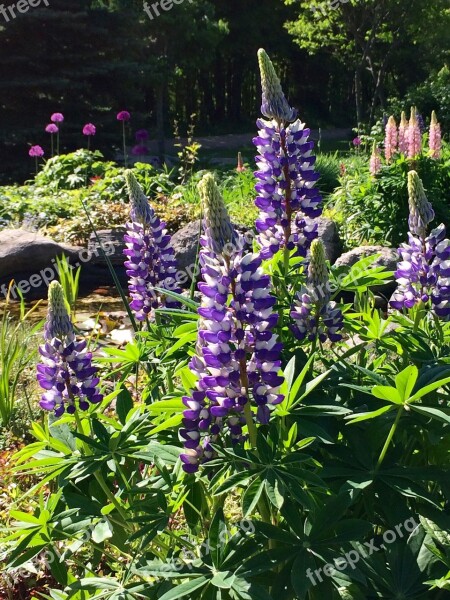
x: 66, y: 372
x: 150, y: 257
x: 414, y: 135
x: 287, y: 197
x: 238, y: 356
x: 423, y: 275
x: 375, y: 160
x: 391, y: 139
x: 435, y: 138
x: 403, y: 135
x: 315, y: 315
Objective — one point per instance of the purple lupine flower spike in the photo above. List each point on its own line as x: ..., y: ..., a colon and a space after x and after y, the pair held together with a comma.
x: 423, y: 274
x: 150, y: 257
x: 315, y: 316
x: 238, y: 356
x: 66, y: 371
x: 287, y: 198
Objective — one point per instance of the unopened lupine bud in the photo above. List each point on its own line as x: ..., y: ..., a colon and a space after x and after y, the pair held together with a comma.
x: 57, y: 324
x: 140, y: 208
x: 218, y: 225
x: 435, y: 138
x: 314, y: 315
x: 421, y: 212
x: 274, y: 103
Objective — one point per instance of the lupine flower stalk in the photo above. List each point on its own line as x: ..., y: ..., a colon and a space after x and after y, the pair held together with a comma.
x: 423, y: 275
x: 287, y: 198
x: 66, y: 372
x: 238, y: 355
x: 375, y: 160
x: 150, y: 257
x: 315, y: 315
x: 391, y: 139
x: 414, y: 135
x: 435, y: 138
x: 403, y: 135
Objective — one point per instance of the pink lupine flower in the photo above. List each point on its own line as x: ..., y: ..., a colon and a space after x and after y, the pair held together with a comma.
x: 375, y: 161
x: 435, y: 140
x: 414, y: 135
x: 391, y: 139
x: 403, y: 135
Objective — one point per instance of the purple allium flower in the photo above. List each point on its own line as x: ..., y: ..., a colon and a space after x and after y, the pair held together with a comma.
x: 421, y: 123
x: 36, y: 152
x: 89, y: 129
x: 140, y: 150
x: 315, y: 316
x: 57, y: 118
x: 414, y: 135
x: 66, y: 371
x: 435, y: 137
x: 52, y: 128
x: 403, y: 135
x: 123, y: 115
x: 357, y: 141
x: 391, y: 139
x: 375, y: 160
x: 150, y: 257
x: 142, y: 135
x: 238, y: 356
x: 423, y: 274
x: 286, y: 194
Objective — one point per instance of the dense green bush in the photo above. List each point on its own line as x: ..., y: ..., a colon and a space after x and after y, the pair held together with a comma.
x: 375, y: 209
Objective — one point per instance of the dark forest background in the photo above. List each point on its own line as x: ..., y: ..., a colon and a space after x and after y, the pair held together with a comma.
x: 89, y: 59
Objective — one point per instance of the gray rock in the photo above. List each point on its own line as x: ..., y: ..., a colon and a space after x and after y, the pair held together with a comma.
x: 113, y: 245
x: 22, y: 250
x: 388, y: 258
x: 329, y: 234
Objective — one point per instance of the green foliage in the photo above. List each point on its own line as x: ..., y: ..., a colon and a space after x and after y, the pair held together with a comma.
x: 374, y: 210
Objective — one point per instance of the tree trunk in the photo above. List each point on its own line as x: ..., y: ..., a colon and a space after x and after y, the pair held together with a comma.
x: 358, y: 98
x: 160, y: 93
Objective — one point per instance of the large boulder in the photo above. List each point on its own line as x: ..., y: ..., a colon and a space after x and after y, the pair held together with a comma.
x: 29, y: 259
x: 22, y: 250
x: 112, y: 242
x: 329, y: 234
x: 388, y: 258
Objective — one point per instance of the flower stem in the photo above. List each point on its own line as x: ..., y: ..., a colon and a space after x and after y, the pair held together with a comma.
x: 124, y: 145
x: 389, y: 439
x: 99, y: 477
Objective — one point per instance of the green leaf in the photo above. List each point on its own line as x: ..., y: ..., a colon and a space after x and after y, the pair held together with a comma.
x: 180, y: 591
x: 405, y: 381
x: 102, y: 531
x: 430, y: 411
x: 124, y: 404
x: 369, y: 415
x: 429, y: 388
x: 251, y: 496
x: 386, y: 392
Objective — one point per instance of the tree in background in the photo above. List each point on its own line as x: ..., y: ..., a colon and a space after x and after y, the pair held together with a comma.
x: 372, y: 38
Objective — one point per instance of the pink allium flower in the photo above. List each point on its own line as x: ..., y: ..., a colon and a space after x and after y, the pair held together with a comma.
x: 414, y: 135
x: 435, y: 140
x: 140, y: 150
x: 36, y: 152
x: 52, y: 128
x: 403, y: 135
x: 357, y: 141
x: 142, y: 135
x: 89, y: 129
x: 391, y: 138
x: 57, y: 118
x: 124, y: 115
x: 375, y: 161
